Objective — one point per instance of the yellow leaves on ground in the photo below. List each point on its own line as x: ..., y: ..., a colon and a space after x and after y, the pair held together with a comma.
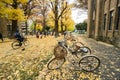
x: 30, y: 64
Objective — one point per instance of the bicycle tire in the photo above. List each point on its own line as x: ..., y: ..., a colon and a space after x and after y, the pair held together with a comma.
x: 52, y: 64
x: 26, y: 42
x: 80, y: 52
x: 15, y: 45
x: 87, y: 63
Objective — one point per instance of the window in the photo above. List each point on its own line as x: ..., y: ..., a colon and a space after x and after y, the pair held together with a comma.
x: 111, y: 20
x: 118, y: 19
x: 104, y: 21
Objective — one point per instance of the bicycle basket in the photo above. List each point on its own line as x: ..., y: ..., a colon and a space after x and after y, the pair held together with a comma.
x: 60, y: 52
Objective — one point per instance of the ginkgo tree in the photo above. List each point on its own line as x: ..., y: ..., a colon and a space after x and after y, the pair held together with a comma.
x: 65, y: 23
x: 66, y: 20
x: 58, y: 7
x: 58, y: 10
x: 11, y: 9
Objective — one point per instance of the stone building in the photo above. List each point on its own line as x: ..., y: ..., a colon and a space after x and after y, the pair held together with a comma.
x: 104, y: 20
x: 5, y: 27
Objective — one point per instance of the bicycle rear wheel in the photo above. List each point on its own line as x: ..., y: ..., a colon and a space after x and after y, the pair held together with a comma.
x: 82, y: 51
x: 89, y: 63
x: 16, y: 45
x: 55, y: 63
x: 26, y: 42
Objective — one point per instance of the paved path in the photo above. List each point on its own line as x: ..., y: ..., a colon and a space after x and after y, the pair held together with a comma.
x: 109, y: 56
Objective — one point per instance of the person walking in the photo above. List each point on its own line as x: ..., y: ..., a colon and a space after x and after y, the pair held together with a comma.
x: 37, y: 34
x: 1, y: 36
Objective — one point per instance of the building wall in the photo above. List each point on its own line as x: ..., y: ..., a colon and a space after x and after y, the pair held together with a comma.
x: 6, y: 27
x: 105, y: 17
x: 3, y: 27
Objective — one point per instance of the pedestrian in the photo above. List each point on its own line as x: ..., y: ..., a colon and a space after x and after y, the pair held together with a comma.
x: 41, y: 34
x: 1, y: 36
x: 37, y: 34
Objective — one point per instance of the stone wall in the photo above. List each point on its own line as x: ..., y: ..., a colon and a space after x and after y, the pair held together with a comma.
x: 104, y: 7
x: 3, y: 27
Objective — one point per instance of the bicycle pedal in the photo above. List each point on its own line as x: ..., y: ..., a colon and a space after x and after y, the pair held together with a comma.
x: 23, y: 49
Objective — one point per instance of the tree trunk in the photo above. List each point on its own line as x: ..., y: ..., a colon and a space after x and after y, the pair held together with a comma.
x: 62, y: 27
x: 14, y: 27
x: 56, y: 28
x: 56, y: 18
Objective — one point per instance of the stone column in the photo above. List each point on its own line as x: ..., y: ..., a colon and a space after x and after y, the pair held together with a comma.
x: 107, y: 19
x: 90, y: 17
x: 115, y: 16
x: 99, y: 19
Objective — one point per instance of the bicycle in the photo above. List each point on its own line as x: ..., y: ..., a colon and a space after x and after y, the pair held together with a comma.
x: 88, y: 62
x: 17, y: 44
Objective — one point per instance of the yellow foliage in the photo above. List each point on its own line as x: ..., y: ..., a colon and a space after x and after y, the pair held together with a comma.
x: 68, y: 21
x: 12, y: 14
x: 50, y: 21
x: 11, y: 1
x: 7, y: 1
x: 1, y: 4
x: 39, y: 27
x: 23, y: 1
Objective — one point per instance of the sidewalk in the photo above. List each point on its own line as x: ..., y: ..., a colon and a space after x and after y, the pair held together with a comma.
x: 109, y: 56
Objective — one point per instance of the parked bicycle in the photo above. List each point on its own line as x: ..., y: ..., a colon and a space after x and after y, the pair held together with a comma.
x: 87, y: 62
x: 17, y: 44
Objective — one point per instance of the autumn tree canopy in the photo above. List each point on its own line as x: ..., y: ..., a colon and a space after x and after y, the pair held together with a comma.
x: 10, y: 9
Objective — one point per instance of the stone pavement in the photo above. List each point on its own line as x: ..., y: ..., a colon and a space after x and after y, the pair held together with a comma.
x: 109, y: 56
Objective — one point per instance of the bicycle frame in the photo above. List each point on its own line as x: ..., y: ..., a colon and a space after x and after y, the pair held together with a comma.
x: 70, y: 50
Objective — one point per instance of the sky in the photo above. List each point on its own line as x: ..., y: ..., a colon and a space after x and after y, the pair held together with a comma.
x: 78, y: 15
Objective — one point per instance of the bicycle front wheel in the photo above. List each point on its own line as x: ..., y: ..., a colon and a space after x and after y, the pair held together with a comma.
x: 55, y: 63
x: 89, y: 63
x: 16, y: 45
